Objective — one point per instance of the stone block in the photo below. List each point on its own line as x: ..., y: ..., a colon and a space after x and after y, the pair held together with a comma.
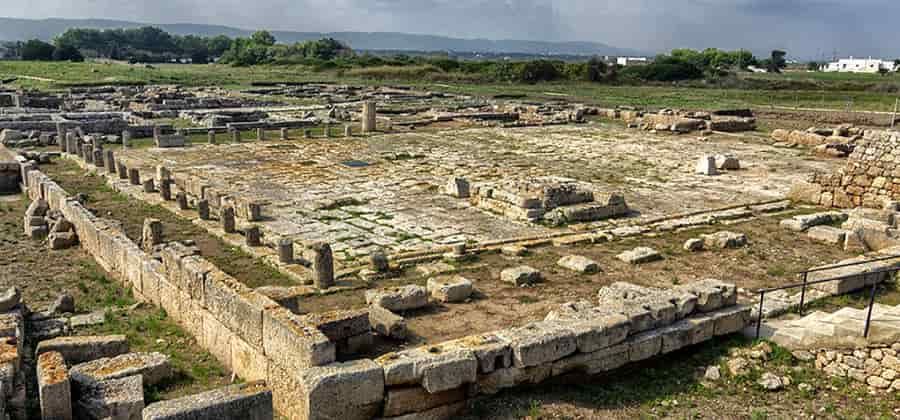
x: 54, y: 389
x: 346, y: 391
x: 520, y: 276
x: 579, y: 264
x: 490, y: 350
x: 711, y: 294
x: 235, y: 305
x: 452, y: 290
x: 444, y: 412
x: 294, y: 344
x: 827, y: 234
x: 602, y: 360
x: 217, y: 338
x: 248, y: 362
x: 387, y: 323
x: 154, y: 368
x: 601, y: 332
x: 644, y: 345
x: 340, y: 325
x: 640, y: 255
x: 115, y: 399
x: 724, y: 240
x: 706, y: 165
x: 408, y: 400
x: 730, y: 320
x: 458, y: 187
x: 80, y: 349
x: 251, y: 401
x: 539, y: 342
x: 398, y: 298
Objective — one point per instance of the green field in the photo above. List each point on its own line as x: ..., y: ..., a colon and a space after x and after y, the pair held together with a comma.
x: 829, y: 90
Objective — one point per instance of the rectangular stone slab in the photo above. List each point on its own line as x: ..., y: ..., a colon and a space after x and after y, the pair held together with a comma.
x: 251, y: 401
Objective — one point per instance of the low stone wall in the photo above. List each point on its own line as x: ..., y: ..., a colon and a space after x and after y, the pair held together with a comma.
x: 260, y: 340
x: 876, y: 366
x: 871, y: 176
x: 226, y: 317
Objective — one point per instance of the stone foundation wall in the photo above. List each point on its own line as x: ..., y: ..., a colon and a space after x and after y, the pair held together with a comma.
x: 260, y: 340
x: 871, y: 176
x: 876, y: 366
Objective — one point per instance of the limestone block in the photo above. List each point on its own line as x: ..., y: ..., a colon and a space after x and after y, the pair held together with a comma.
x: 520, y: 276
x: 640, y: 255
x: 217, y: 338
x: 457, y: 187
x: 292, y: 343
x: 490, y: 350
x: 540, y: 342
x: 693, y: 245
x: 80, y: 349
x: 154, y: 368
x: 827, y: 234
x: 579, y: 264
x: 727, y: 162
x: 598, y: 333
x: 346, y: 391
x: 592, y: 363
x: 724, y: 240
x: 10, y: 299
x: 452, y: 290
x: 398, y: 298
x: 447, y: 370
x: 730, y: 320
x: 707, y: 166
x: 387, y: 323
x: 444, y: 412
x: 644, y: 345
x: 248, y: 362
x: 803, y: 222
x: 340, y: 325
x: 236, y: 306
x: 251, y: 401
x: 115, y: 399
x: 711, y: 294
x: 54, y: 389
x: 408, y: 400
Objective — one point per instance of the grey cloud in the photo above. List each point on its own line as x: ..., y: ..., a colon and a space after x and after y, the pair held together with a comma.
x: 805, y: 28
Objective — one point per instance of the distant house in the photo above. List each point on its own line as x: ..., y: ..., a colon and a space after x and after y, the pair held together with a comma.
x: 632, y: 61
x: 859, y: 65
x: 755, y: 69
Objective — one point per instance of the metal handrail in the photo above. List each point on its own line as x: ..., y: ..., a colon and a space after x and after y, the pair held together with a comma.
x: 806, y: 283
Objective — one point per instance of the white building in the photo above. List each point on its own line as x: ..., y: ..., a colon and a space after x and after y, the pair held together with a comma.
x: 860, y: 65
x: 632, y: 61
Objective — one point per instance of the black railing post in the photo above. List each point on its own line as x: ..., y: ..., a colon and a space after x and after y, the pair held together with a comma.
x: 871, y: 306
x: 759, y: 315
x: 803, y: 292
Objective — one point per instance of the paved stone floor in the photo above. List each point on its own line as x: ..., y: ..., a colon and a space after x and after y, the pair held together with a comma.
x: 385, y: 191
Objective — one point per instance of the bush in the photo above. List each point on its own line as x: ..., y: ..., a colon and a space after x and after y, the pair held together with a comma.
x: 37, y: 50
x: 664, y: 69
x: 67, y: 53
x: 540, y: 71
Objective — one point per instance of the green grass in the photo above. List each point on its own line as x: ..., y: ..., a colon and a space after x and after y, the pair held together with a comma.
x: 828, y: 91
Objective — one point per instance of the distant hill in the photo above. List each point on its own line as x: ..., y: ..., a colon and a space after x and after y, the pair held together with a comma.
x: 22, y: 29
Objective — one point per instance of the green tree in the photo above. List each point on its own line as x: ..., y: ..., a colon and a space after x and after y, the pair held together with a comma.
x: 813, y: 66
x: 596, y: 69
x: 66, y: 52
x: 263, y: 38
x: 218, y: 45
x: 777, y: 61
x: 37, y: 50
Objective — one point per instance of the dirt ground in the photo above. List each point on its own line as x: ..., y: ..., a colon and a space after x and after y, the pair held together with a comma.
x: 771, y: 259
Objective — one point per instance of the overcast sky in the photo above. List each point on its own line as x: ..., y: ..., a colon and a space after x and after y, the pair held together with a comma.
x: 805, y: 28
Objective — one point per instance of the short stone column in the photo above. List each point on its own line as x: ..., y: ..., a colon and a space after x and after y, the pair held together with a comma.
x: 87, y: 153
x: 260, y: 134
x: 149, y: 186
x: 126, y: 139
x: 157, y: 131
x: 284, y: 133
x: 181, y: 200
x: 98, y: 158
x: 380, y: 262
x: 254, y: 212
x: 227, y: 219
x: 71, y: 141
x: 322, y: 265
x: 61, y: 137
x: 286, y: 251
x: 252, y: 236
x: 134, y: 176
x: 348, y: 130
x: 110, y: 161
x: 235, y: 136
x: 152, y: 234
x: 123, y: 171
x: 203, y: 209
x: 54, y: 387
x: 165, y: 190
x: 211, y: 136
x: 368, y: 117
x: 327, y: 131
